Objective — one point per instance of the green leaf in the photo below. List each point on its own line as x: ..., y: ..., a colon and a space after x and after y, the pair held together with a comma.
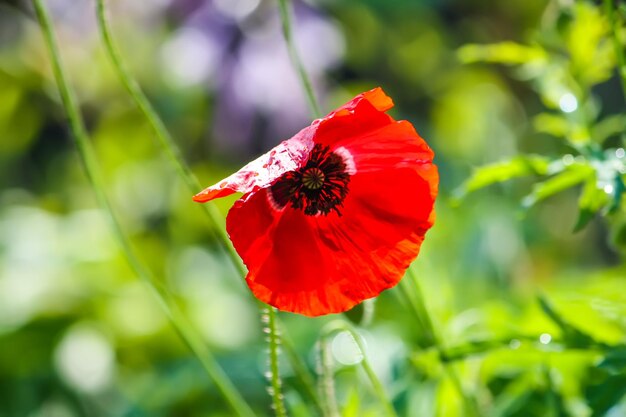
x: 615, y: 361
x: 572, y: 336
x: 510, y: 53
x: 588, y: 42
x: 573, y: 175
x: 552, y: 124
x: 617, y: 195
x: 609, y: 126
x: 592, y: 199
x: 605, y: 395
x: 503, y: 171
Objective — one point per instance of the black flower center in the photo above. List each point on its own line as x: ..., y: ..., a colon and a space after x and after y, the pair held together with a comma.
x: 318, y: 187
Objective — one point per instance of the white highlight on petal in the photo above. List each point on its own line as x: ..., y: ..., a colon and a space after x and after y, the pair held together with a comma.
x: 266, y: 169
x: 347, y: 159
x: 273, y: 203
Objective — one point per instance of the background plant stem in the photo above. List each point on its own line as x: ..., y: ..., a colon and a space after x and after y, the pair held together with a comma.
x: 326, y: 362
x: 87, y: 156
x: 326, y: 379
x: 413, y: 292
x: 303, y: 374
x: 283, y: 7
x: 160, y: 131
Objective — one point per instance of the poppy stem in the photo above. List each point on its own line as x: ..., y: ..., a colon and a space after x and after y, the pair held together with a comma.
x: 379, y: 389
x: 283, y: 7
x: 424, y: 317
x: 93, y: 173
x: 275, y: 389
x: 617, y: 43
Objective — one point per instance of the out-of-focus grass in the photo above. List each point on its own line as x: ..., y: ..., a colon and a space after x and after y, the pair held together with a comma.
x: 78, y: 334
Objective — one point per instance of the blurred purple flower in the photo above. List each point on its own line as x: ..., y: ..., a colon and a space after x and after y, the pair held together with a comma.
x: 236, y: 48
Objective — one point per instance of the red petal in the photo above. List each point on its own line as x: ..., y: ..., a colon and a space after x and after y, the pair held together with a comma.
x: 363, y: 114
x: 264, y: 170
x: 317, y: 265
x: 292, y: 153
x: 393, y: 145
x: 375, y: 97
x: 375, y: 140
x: 325, y: 264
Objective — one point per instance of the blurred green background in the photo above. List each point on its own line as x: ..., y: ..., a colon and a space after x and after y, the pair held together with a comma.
x: 80, y: 335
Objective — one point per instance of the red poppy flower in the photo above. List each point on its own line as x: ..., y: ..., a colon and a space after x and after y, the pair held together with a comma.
x: 336, y: 214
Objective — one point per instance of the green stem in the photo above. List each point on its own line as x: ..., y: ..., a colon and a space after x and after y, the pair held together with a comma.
x: 369, y: 308
x: 303, y: 374
x: 379, y: 389
x: 326, y: 380
x: 275, y: 381
x: 617, y: 43
x: 419, y: 307
x: 165, y: 139
x: 412, y: 305
x: 87, y: 155
x: 283, y: 6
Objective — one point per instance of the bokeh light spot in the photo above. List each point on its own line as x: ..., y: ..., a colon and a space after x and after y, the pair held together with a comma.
x: 345, y: 349
x: 568, y: 103
x: 545, y: 338
x: 85, y: 360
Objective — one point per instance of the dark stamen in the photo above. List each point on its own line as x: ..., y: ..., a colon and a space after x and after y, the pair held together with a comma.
x: 318, y: 187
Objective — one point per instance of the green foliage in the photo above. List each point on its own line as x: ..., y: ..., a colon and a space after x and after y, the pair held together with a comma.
x: 570, y: 176
x: 519, y: 166
x: 564, y: 82
x: 466, y: 335
x: 509, y: 53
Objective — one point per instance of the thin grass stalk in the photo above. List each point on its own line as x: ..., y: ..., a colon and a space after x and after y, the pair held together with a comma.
x: 404, y: 295
x: 326, y: 380
x: 617, y: 43
x: 160, y: 131
x: 275, y: 388
x: 93, y: 173
x: 285, y: 18
x: 339, y: 326
x: 419, y: 307
x: 303, y: 374
x: 369, y: 309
